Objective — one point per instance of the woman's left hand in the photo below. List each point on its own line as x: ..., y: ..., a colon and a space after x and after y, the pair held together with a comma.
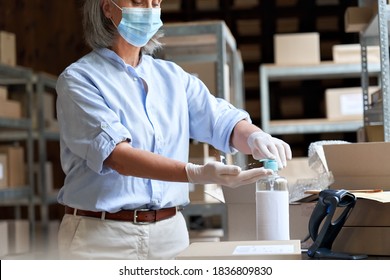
x: 264, y: 146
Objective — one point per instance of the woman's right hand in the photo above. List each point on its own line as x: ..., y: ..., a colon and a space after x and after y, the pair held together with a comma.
x: 216, y: 172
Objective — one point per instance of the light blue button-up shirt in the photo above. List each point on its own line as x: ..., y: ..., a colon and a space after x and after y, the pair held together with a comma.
x: 102, y: 101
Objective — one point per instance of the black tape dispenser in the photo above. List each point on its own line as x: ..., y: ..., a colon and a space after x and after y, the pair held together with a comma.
x: 323, y: 238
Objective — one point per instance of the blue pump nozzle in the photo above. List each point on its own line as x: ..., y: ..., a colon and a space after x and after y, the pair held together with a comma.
x: 270, y: 164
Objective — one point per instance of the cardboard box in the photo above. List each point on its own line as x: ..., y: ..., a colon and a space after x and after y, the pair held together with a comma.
x: 3, y: 93
x: 10, y: 109
x: 15, y: 165
x: 207, y: 72
x: 243, y: 250
x: 7, y: 48
x: 46, y: 237
x: 207, y: 5
x: 3, y: 171
x: 367, y: 226
x: 197, y: 191
x: 48, y: 179
x: 300, y: 214
x: 199, y: 150
x: 49, y: 106
x: 359, y: 165
x: 297, y: 48
x: 287, y: 25
x: 248, y: 4
x: 374, y: 133
x: 250, y: 52
x: 172, y: 6
x: 19, y: 236
x: 245, y: 229
x: 344, y: 103
x: 3, y: 239
x: 357, y: 18
x: 206, y: 235
x: 239, y: 229
x: 363, y: 240
x: 351, y: 53
x: 297, y: 169
x: 368, y: 213
x: 248, y: 27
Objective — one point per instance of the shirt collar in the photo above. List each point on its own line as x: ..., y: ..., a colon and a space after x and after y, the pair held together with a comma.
x: 113, y: 56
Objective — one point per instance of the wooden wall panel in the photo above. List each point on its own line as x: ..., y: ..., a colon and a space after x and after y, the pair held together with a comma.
x: 48, y: 32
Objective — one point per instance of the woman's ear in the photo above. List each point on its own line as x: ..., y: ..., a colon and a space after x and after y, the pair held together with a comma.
x: 106, y: 7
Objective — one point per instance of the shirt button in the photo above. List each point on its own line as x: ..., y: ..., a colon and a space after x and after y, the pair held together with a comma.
x: 135, y: 79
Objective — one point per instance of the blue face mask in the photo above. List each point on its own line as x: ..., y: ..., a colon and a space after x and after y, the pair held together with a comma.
x: 139, y: 25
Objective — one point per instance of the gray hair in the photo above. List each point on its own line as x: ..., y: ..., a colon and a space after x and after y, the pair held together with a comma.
x: 99, y: 31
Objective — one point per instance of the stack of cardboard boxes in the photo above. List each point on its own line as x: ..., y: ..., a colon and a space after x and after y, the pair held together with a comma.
x: 9, y: 108
x: 12, y: 166
x: 363, y: 167
x: 14, y: 234
x: 7, y: 48
x: 200, y: 154
x: 14, y: 237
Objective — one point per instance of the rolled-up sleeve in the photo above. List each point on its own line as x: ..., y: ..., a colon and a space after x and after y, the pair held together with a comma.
x: 89, y: 129
x: 102, y: 146
x: 212, y: 119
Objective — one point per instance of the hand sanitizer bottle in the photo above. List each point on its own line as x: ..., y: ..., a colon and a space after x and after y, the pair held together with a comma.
x: 272, y: 205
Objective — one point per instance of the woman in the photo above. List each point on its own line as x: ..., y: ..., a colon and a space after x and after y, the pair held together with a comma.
x: 125, y: 124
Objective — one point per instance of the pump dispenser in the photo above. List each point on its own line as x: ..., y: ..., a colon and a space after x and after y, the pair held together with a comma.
x: 272, y: 205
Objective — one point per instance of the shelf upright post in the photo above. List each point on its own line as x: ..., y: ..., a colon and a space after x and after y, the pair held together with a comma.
x: 44, y: 81
x: 22, y: 195
x: 364, y: 79
x: 264, y: 99
x: 384, y: 54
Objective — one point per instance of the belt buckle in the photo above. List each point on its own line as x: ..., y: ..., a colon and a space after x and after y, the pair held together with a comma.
x: 136, y: 216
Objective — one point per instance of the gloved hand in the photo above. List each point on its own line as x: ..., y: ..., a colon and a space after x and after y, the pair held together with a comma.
x: 216, y: 172
x: 264, y: 146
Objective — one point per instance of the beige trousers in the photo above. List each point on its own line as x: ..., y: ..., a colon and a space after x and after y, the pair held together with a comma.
x: 91, y: 238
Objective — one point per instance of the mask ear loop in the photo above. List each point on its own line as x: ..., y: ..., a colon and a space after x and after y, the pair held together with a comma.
x: 111, y: 17
x: 113, y: 23
x: 116, y: 5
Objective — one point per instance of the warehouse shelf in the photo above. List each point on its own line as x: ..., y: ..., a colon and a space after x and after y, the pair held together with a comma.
x: 211, y: 46
x: 371, y: 32
x: 17, y: 196
x: 210, y: 42
x: 377, y: 33
x: 45, y: 84
x: 15, y: 123
x: 324, y: 70
x: 307, y: 126
x: 207, y: 41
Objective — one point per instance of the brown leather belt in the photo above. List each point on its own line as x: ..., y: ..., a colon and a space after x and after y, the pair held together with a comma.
x: 138, y: 216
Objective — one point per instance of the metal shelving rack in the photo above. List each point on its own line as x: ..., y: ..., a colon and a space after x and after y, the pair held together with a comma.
x: 377, y: 33
x: 45, y: 83
x: 208, y: 41
x: 324, y: 70
x: 18, y: 130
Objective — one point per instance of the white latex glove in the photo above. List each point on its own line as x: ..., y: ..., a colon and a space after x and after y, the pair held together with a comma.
x: 216, y: 172
x: 264, y: 146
